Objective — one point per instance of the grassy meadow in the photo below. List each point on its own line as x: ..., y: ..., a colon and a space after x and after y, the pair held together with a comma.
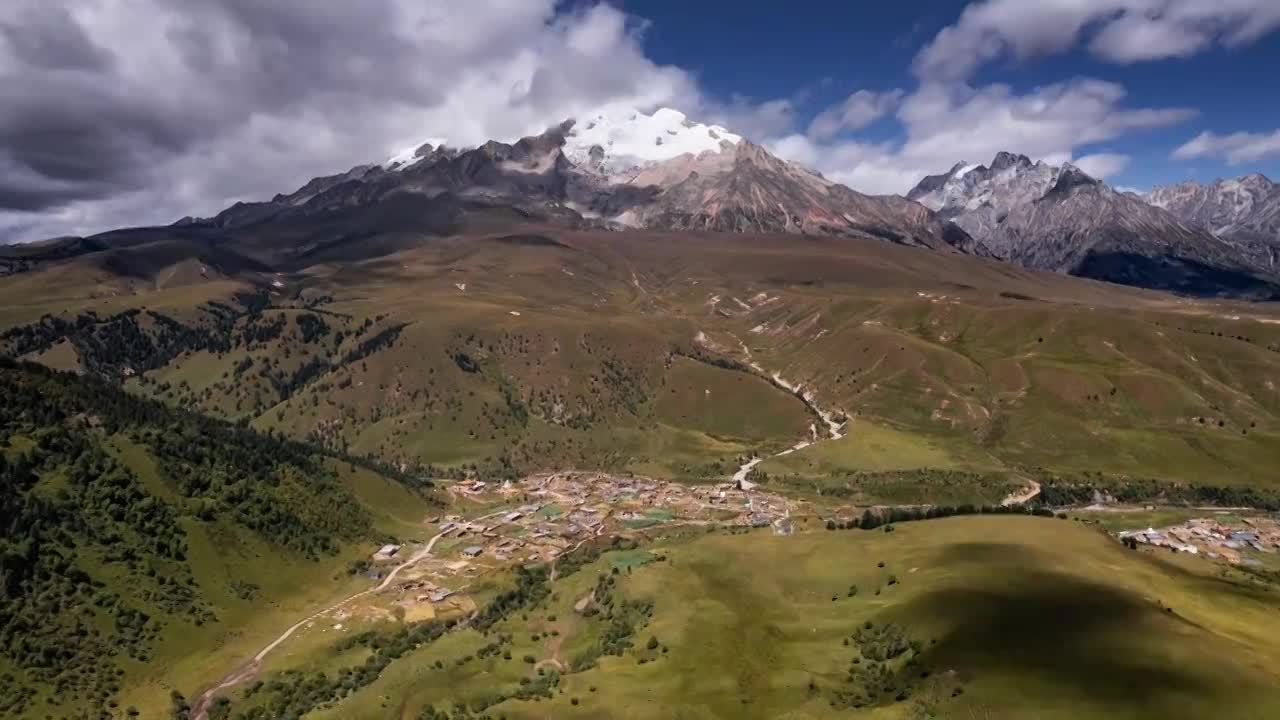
x: 470, y: 355
x: 994, y: 617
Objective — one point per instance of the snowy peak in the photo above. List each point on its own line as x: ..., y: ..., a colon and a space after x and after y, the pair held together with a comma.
x: 412, y: 155
x: 1071, y: 177
x: 618, y: 140
x: 1248, y: 206
x: 1257, y: 180
x: 622, y: 168
x: 745, y: 188
x: 611, y: 141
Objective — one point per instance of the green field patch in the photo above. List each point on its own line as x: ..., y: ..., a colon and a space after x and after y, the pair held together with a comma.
x: 625, y: 560
x: 876, y: 448
x: 924, y: 486
x: 18, y: 445
x: 729, y: 404
x: 942, y: 617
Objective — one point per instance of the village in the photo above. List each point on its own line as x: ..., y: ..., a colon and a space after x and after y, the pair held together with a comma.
x: 1228, y: 539
x: 542, y: 517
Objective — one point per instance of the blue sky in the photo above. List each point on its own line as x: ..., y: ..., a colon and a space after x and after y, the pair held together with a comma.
x: 817, y: 53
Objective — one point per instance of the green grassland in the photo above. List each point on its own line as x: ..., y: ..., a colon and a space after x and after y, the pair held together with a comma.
x: 460, y: 354
x: 728, y: 404
x: 873, y: 447
x: 152, y: 549
x: 999, y: 617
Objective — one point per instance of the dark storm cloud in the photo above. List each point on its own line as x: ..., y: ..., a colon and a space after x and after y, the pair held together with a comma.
x: 76, y: 124
x: 71, y: 136
x: 46, y: 36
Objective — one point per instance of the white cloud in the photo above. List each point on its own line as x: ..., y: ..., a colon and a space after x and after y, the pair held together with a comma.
x: 748, y: 118
x: 1103, y: 165
x: 1236, y: 148
x: 857, y: 111
x: 1120, y: 31
x: 947, y: 120
x: 1137, y: 38
x: 946, y: 124
x: 141, y: 112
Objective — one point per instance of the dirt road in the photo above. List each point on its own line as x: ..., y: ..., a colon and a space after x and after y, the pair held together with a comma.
x: 248, y: 670
x: 1022, y: 496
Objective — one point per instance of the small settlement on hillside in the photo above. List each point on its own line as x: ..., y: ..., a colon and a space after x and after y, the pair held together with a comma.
x: 551, y: 513
x: 544, y: 516
x: 1214, y: 538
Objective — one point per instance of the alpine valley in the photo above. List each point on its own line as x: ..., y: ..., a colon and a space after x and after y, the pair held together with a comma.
x: 633, y: 418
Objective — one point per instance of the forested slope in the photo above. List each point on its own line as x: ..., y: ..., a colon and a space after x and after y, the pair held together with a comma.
x: 111, y: 509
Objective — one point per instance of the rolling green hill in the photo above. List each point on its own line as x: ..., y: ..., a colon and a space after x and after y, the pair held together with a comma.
x: 231, y: 440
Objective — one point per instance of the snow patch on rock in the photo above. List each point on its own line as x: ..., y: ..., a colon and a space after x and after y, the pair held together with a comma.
x: 409, y: 155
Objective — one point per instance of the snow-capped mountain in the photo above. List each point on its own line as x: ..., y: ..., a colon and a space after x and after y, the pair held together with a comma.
x: 1059, y: 218
x: 625, y: 169
x: 1244, y: 208
x: 619, y: 142
x: 749, y: 189
x: 630, y: 170
x: 614, y: 141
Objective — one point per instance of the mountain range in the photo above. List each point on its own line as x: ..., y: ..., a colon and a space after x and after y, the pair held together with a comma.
x: 622, y: 170
x: 627, y: 170
x: 1247, y: 208
x: 1059, y: 218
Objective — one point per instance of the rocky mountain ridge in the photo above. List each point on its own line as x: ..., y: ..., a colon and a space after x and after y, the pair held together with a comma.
x: 657, y: 171
x: 1059, y: 218
x: 626, y: 170
x: 1247, y: 208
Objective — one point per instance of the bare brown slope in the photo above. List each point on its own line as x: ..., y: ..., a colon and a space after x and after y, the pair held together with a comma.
x: 746, y: 189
